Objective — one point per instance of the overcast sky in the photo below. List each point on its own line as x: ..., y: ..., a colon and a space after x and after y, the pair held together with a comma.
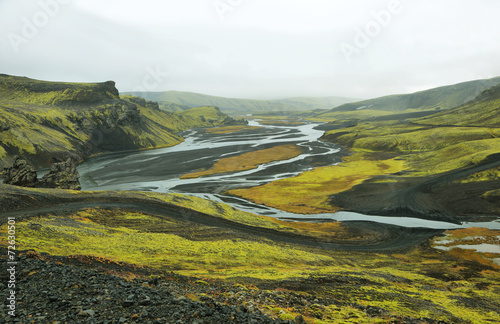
x: 253, y: 48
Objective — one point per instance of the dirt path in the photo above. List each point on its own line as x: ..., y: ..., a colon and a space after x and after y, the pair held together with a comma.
x: 387, y: 237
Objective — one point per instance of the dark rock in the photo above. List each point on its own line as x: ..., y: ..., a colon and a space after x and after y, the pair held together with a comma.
x: 130, y: 114
x: 152, y: 105
x: 62, y: 175
x: 144, y: 103
x: 127, y: 303
x: 21, y: 173
x: 89, y: 312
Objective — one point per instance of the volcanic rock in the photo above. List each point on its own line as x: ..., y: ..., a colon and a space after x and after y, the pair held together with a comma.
x: 63, y: 175
x: 20, y: 173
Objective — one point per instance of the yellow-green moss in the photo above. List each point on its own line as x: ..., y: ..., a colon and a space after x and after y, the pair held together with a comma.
x: 452, y: 157
x: 80, y: 235
x: 309, y: 192
x: 488, y: 175
x: 250, y: 160
x: 230, y: 129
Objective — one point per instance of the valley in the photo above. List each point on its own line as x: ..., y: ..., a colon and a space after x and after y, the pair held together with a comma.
x: 361, y: 216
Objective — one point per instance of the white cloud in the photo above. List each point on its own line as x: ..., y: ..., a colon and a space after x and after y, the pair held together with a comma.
x: 260, y: 49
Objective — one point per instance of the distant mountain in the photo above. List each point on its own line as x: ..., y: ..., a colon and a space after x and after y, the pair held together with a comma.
x: 243, y: 106
x: 445, y: 97
x: 41, y: 121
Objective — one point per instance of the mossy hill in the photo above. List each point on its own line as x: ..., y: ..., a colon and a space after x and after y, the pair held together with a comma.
x: 483, y: 111
x: 42, y: 121
x: 451, y: 159
x: 242, y: 106
x: 440, y: 98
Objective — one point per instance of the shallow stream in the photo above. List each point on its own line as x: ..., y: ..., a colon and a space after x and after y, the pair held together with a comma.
x: 160, y: 170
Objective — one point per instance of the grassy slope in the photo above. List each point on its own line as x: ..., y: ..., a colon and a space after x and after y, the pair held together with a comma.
x: 40, y: 120
x: 422, y: 283
x: 439, y: 98
x: 484, y: 111
x: 239, y: 106
x: 420, y: 147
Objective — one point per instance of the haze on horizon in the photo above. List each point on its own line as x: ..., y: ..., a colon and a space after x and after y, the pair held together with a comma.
x: 253, y: 49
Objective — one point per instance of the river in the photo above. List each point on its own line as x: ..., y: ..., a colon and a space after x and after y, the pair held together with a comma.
x: 160, y: 170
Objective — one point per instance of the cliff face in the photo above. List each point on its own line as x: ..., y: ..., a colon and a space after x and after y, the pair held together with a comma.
x: 41, y: 121
x: 25, y: 90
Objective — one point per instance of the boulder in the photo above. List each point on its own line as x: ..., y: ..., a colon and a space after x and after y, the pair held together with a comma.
x: 20, y: 173
x: 62, y: 175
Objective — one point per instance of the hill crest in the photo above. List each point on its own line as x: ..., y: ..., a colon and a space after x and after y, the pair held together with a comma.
x: 26, y: 90
x: 444, y: 97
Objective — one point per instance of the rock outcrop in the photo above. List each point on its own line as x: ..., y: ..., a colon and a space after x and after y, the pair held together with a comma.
x: 63, y: 175
x: 20, y: 173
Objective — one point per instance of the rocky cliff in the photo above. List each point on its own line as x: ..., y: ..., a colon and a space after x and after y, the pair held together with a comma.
x: 62, y: 175
x: 41, y: 121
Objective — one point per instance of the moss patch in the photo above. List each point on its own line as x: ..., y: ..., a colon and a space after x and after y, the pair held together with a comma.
x: 230, y: 129
x: 310, y: 191
x: 248, y: 161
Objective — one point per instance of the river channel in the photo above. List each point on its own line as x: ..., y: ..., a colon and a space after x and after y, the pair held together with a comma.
x: 160, y: 170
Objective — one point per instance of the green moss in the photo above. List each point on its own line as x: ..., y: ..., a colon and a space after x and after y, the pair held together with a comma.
x: 493, y: 195
x: 364, y: 114
x: 488, y: 175
x: 309, y: 192
x: 402, y: 138
x: 481, y: 112
x: 132, y: 244
x: 452, y: 157
x: 250, y: 160
x: 287, y: 317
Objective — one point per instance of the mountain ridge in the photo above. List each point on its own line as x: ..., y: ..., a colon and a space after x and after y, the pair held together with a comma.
x: 440, y: 98
x: 241, y: 105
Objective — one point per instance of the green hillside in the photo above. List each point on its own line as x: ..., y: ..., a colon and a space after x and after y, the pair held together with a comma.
x: 42, y: 120
x: 240, y: 106
x: 482, y: 111
x: 457, y: 149
x: 434, y: 99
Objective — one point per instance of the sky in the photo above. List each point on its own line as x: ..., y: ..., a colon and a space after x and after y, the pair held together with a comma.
x: 262, y: 49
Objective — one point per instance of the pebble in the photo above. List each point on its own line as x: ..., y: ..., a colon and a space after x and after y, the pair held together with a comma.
x: 71, y: 294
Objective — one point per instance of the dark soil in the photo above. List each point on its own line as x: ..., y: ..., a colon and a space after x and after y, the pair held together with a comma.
x: 47, y: 292
x: 435, y: 197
